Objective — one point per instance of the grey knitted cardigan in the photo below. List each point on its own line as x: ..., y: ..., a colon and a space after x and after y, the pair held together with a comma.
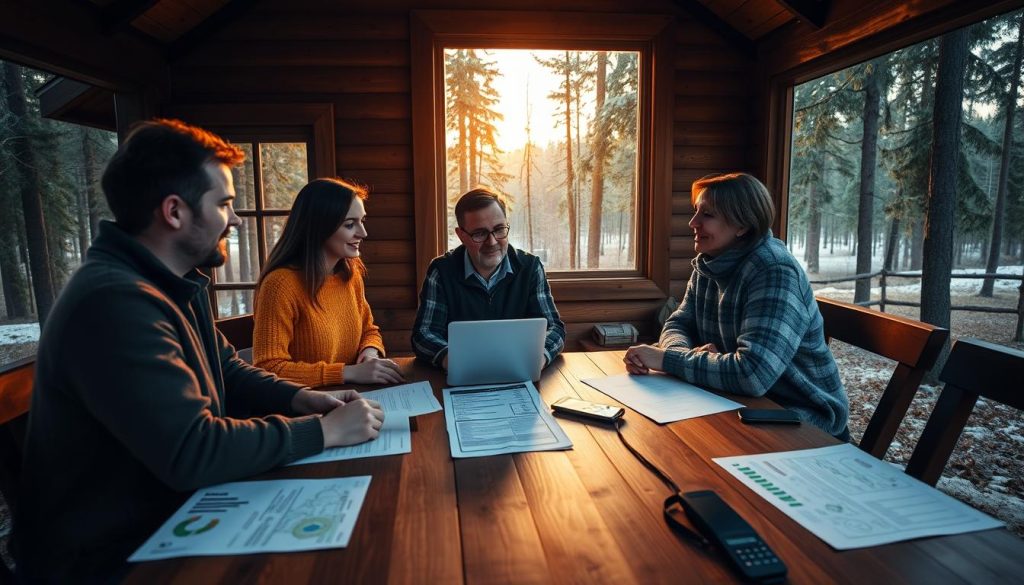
x: 755, y: 304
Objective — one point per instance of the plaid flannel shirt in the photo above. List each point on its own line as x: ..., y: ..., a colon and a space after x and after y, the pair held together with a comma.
x: 756, y: 306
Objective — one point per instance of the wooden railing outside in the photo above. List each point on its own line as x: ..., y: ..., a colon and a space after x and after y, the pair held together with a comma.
x: 883, y: 276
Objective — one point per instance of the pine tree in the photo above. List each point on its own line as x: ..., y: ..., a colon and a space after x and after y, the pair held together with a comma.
x: 1009, y: 109
x: 943, y: 173
x: 31, y: 190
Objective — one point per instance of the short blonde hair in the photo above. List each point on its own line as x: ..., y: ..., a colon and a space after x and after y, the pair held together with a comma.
x: 741, y: 199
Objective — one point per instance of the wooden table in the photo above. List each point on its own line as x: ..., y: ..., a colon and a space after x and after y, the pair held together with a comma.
x: 589, y: 515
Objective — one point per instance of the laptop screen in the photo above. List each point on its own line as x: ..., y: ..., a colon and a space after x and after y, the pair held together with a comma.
x: 495, y: 352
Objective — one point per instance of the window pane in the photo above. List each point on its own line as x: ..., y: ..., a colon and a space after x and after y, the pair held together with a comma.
x: 244, y: 179
x: 231, y: 303
x: 242, y: 263
x: 273, y: 228
x: 66, y: 162
x: 285, y: 171
x: 556, y: 133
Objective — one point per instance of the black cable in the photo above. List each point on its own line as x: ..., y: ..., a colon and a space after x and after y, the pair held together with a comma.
x: 673, y: 500
x: 654, y: 468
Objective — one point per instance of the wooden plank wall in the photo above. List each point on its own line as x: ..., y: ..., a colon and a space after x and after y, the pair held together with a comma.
x: 358, y: 59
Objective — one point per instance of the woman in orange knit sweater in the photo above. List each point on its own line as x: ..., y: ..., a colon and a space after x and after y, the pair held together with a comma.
x: 313, y: 324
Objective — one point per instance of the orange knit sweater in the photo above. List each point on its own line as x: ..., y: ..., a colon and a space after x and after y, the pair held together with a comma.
x: 307, y: 344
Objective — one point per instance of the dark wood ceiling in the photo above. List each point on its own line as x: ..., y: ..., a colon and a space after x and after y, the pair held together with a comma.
x: 756, y: 18
x: 168, y: 21
x: 163, y: 20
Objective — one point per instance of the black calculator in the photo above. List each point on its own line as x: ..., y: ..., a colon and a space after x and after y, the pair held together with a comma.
x: 724, y: 527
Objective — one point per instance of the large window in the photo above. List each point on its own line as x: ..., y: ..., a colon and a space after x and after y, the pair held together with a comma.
x: 51, y: 204
x: 556, y: 133
x: 869, y: 186
x: 265, y: 187
x: 512, y: 99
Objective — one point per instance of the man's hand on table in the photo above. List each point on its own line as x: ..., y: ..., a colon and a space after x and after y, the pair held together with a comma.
x: 347, y: 419
x: 353, y: 422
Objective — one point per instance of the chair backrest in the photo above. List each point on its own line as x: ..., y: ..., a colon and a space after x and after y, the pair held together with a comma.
x: 974, y: 368
x: 914, y: 345
x: 238, y: 330
x: 15, y: 398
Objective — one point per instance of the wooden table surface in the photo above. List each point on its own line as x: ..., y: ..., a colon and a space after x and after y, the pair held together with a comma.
x: 589, y: 515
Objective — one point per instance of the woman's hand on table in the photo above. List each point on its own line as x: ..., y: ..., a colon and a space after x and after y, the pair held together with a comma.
x: 641, y: 359
x: 368, y: 353
x: 373, y: 370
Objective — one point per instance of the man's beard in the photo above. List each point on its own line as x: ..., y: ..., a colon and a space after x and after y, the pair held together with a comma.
x: 218, y: 255
x: 211, y: 257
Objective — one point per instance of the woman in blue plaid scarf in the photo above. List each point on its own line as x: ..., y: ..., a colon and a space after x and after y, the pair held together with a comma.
x: 749, y: 323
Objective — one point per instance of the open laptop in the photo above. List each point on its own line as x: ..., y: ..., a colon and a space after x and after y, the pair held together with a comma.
x: 495, y: 352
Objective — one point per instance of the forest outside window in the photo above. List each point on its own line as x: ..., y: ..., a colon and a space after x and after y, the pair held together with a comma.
x: 861, y: 196
x: 560, y: 119
x: 556, y: 133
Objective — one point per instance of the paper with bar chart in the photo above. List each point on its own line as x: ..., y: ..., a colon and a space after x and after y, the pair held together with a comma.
x: 849, y: 499
x: 260, y: 516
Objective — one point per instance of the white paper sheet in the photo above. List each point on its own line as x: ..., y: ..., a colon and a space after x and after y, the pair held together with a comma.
x: 408, y: 399
x: 849, y: 499
x: 499, y: 419
x: 260, y: 516
x: 394, y: 439
x: 660, y: 397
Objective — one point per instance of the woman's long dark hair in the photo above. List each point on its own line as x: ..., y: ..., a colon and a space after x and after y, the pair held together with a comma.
x: 318, y: 211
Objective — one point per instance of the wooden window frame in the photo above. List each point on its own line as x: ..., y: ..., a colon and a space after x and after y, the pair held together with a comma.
x: 311, y: 123
x: 432, y: 31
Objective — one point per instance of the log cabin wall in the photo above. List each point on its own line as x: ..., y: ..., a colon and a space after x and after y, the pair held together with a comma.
x: 358, y: 59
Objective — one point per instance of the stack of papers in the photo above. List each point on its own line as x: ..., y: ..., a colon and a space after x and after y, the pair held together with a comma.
x: 399, y: 403
x: 496, y: 420
x: 849, y: 499
x: 660, y: 397
x: 260, y: 516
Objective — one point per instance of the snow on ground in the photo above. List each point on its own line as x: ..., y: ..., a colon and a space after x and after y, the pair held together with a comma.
x: 962, y: 286
x: 21, y: 333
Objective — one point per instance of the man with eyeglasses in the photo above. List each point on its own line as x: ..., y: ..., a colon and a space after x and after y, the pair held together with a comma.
x: 484, y: 278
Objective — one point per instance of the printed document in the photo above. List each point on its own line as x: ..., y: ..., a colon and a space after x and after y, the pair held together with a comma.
x: 260, y: 516
x: 660, y: 397
x: 849, y: 499
x: 499, y: 419
x: 394, y: 439
x: 407, y: 399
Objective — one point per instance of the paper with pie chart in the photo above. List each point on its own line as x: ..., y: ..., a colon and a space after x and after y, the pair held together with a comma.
x: 260, y: 516
x: 850, y: 500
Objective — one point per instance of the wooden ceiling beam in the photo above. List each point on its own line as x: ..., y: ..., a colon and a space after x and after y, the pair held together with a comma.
x: 814, y: 12
x: 716, y: 23
x: 64, y: 37
x: 119, y: 15
x: 208, y: 28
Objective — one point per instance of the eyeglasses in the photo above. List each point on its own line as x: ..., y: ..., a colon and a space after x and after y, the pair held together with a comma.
x: 499, y: 233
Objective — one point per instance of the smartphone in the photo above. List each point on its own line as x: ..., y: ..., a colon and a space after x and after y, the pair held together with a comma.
x: 768, y: 415
x: 593, y: 410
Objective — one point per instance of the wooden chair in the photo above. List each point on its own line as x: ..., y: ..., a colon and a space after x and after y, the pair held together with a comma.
x: 15, y: 398
x: 238, y: 330
x: 913, y: 344
x: 974, y: 368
